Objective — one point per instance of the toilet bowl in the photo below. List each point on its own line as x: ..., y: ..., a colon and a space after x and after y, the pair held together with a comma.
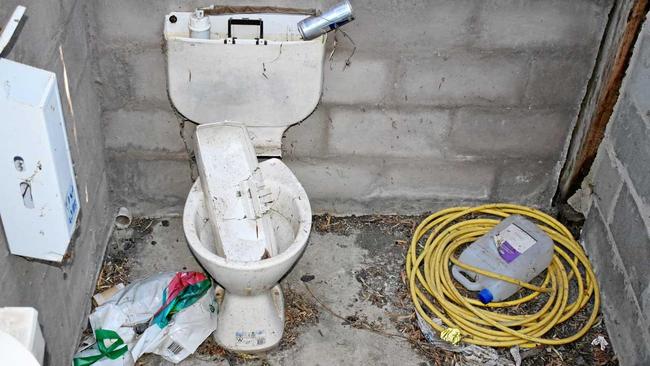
x: 255, y: 222
x: 251, y: 313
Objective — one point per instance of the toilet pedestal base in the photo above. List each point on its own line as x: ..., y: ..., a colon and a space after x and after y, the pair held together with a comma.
x: 253, y: 323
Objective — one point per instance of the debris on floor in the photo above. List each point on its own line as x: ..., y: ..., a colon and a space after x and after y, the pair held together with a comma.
x: 353, y: 266
x: 169, y: 314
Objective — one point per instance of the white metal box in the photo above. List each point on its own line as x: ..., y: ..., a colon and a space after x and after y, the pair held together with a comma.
x: 39, y: 203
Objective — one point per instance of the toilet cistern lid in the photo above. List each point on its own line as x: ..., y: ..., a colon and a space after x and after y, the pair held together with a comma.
x: 233, y: 186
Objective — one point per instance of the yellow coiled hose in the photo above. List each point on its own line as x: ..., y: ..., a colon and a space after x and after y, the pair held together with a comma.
x: 434, y: 294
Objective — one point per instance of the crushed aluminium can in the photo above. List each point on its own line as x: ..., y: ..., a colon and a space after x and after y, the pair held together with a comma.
x: 333, y: 18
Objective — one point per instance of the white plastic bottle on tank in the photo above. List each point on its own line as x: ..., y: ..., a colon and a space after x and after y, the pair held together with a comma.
x: 516, y: 248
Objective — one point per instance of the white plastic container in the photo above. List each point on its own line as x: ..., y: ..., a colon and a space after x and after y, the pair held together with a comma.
x: 516, y: 248
x: 199, y: 25
x: 21, y: 323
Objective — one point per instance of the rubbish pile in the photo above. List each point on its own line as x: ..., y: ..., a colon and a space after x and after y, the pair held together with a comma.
x: 169, y: 314
x: 510, y: 248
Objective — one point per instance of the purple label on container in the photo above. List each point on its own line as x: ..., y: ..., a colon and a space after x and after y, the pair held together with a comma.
x: 507, y: 252
x: 512, y: 242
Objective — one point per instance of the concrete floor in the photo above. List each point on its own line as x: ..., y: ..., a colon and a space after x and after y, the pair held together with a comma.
x: 345, y: 267
x: 354, y: 269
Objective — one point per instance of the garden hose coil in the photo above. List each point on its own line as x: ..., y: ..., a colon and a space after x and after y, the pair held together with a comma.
x: 434, y: 294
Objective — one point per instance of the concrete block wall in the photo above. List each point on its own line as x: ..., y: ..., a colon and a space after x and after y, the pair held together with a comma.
x: 617, y: 230
x: 57, y: 36
x: 441, y: 102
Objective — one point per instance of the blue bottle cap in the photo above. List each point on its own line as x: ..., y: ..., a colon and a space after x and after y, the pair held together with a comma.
x: 485, y: 296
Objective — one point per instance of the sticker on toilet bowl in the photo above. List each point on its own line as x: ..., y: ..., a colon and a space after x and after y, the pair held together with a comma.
x: 251, y: 338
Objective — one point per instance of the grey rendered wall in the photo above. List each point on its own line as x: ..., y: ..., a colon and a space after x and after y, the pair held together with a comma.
x: 54, y: 34
x: 443, y: 102
x: 616, y: 232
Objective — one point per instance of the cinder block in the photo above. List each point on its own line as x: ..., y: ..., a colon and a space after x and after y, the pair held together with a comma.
x: 394, y: 26
x: 559, y: 80
x: 527, y: 182
x: 37, y: 41
x: 631, y: 237
x: 557, y: 23
x: 631, y: 138
x: 462, y: 78
x: 150, y: 187
x: 344, y: 179
x: 512, y: 133
x: 368, y: 80
x: 148, y: 76
x: 388, y: 132
x: 309, y: 137
x: 143, y: 130
x: 606, y: 181
x: 86, y: 140
x: 626, y: 324
x: 133, y: 76
x: 142, y: 21
x: 639, y: 73
x: 75, y: 48
x: 425, y: 179
x: 115, y: 74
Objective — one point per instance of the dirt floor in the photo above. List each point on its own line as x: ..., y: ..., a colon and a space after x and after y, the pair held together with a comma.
x: 347, y: 299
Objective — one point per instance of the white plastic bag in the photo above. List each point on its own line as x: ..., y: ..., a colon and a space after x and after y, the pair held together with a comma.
x: 132, y: 311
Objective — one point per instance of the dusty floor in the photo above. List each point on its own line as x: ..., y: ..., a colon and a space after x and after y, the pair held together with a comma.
x: 347, y: 302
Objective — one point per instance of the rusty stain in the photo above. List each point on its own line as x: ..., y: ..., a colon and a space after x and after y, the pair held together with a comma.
x: 606, y: 101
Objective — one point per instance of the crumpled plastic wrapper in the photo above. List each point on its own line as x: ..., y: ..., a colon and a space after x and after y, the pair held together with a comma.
x: 600, y: 341
x: 451, y: 335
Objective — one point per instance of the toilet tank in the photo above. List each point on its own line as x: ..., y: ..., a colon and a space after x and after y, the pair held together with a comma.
x: 252, y: 69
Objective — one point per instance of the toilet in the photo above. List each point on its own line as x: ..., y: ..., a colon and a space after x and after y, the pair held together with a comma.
x: 244, y: 79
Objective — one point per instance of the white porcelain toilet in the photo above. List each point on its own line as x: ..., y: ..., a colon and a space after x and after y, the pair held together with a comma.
x: 244, y: 78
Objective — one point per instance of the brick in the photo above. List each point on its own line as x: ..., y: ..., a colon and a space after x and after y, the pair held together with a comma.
x: 626, y: 324
x: 309, y: 137
x: 426, y: 179
x: 150, y: 187
x: 559, y: 80
x: 517, y: 23
x: 606, y: 181
x: 388, y: 132
x: 631, y: 237
x: 527, y: 182
x: 368, y: 80
x: 146, y: 130
x: 461, y: 78
x: 510, y: 132
x: 631, y: 138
